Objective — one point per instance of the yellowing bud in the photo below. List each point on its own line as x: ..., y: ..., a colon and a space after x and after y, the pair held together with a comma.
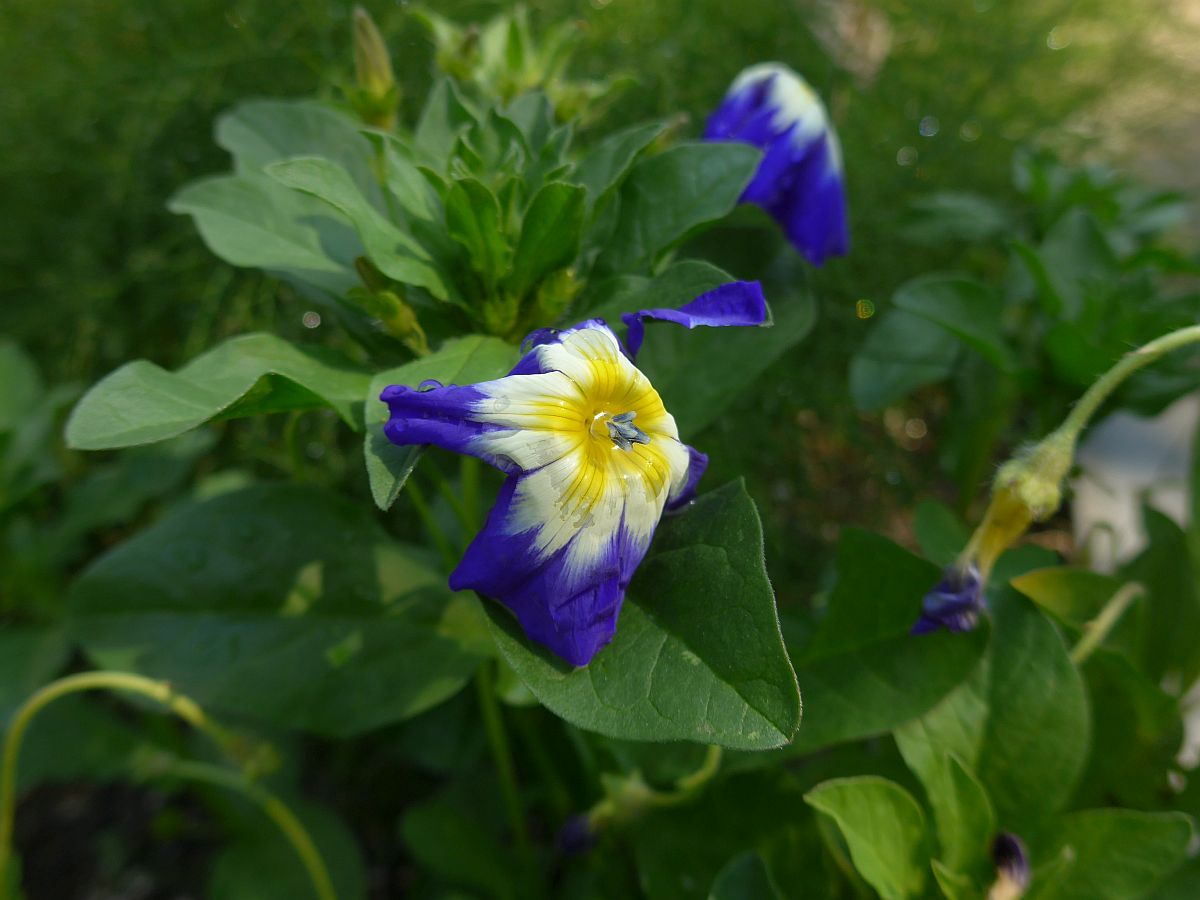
x: 377, y: 94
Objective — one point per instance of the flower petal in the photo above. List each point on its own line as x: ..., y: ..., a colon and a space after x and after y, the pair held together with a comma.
x: 799, y: 181
x: 736, y: 303
x: 569, y: 600
x: 685, y: 491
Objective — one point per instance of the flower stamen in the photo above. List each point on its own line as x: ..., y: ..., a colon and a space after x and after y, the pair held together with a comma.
x: 623, y: 432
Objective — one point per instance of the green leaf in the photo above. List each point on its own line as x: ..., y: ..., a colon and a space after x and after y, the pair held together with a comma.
x: 1168, y: 617
x: 956, y: 216
x: 884, y: 829
x: 284, y: 604
x: 1071, y: 594
x: 1021, y: 722
x: 603, y: 168
x: 1074, y: 255
x: 473, y: 219
x: 962, y: 812
x: 969, y: 310
x: 1118, y: 854
x: 953, y: 885
x: 697, y: 655
x: 30, y: 656
x: 674, y: 358
x: 901, y: 353
x: 668, y: 196
x: 681, y: 851
x: 259, y: 132
x: 446, y: 840
x: 394, y: 253
x: 1137, y: 732
x: 23, y: 386
x: 863, y: 672
x: 464, y: 360
x: 1184, y: 884
x: 745, y: 877
x: 550, y: 235
x: 245, y: 376
x: 940, y: 531
x: 250, y: 220
x: 444, y: 118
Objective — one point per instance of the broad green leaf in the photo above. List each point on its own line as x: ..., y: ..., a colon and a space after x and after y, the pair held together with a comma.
x: 884, y: 829
x: 473, y: 219
x: 260, y: 132
x: 681, y: 851
x: 248, y: 375
x: 1020, y: 723
x: 1118, y: 854
x: 962, y: 812
x: 940, y: 532
x: 1184, y: 884
x: 676, y: 359
x: 284, y: 604
x: 967, y: 309
x: 1071, y: 594
x: 603, y: 168
x: 260, y: 864
x: 446, y: 840
x: 1073, y: 255
x: 22, y: 382
x: 550, y: 235
x: 403, y: 177
x: 697, y: 655
x: 464, y: 360
x: 668, y: 196
x: 394, y: 253
x: 251, y: 220
x: 444, y: 117
x: 956, y: 216
x: 745, y: 877
x: 863, y: 672
x: 1168, y: 617
x: 901, y: 353
x: 953, y: 885
x: 1137, y: 732
x: 30, y: 656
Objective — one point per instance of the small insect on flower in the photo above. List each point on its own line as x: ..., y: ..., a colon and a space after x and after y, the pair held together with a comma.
x: 593, y: 460
x: 799, y: 181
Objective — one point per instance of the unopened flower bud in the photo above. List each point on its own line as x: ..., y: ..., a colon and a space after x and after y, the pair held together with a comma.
x: 377, y: 94
x: 1012, y: 868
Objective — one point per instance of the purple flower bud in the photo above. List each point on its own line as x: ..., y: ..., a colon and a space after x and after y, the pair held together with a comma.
x: 1011, y: 859
x: 576, y: 836
x: 955, y: 602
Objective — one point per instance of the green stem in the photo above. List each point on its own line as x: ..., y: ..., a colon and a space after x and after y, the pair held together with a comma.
x: 690, y: 784
x: 160, y: 691
x: 493, y: 724
x: 1095, y: 396
x: 469, y: 477
x: 1095, y: 631
x: 421, y: 505
x: 275, y: 809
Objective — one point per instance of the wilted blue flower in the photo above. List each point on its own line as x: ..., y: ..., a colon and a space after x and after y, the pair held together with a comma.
x: 1012, y: 866
x: 577, y: 835
x: 954, y: 603
x: 799, y: 181
x: 592, y: 458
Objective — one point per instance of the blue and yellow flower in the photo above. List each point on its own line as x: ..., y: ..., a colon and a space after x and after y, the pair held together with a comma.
x: 593, y: 460
x: 799, y: 181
